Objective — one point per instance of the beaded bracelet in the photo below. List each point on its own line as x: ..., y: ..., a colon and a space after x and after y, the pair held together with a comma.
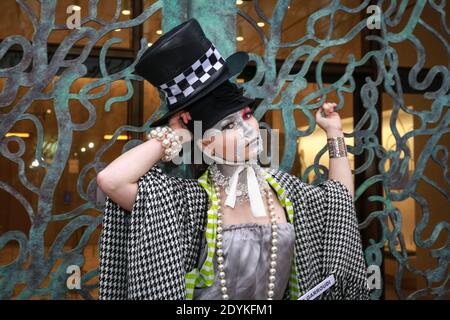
x: 169, y: 140
x: 337, y: 147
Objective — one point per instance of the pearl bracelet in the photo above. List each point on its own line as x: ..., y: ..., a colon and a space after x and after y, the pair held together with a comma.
x: 169, y: 140
x: 337, y: 147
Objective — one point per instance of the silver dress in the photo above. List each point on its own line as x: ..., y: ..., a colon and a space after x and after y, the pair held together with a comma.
x: 246, y: 252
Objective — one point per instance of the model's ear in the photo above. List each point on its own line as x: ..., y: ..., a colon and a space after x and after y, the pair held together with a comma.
x: 207, y: 141
x: 209, y: 136
x: 185, y: 116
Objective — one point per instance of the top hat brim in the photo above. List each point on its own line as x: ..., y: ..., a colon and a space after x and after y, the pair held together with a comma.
x: 233, y: 66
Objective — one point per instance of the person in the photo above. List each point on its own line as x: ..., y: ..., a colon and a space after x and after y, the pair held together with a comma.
x: 238, y: 231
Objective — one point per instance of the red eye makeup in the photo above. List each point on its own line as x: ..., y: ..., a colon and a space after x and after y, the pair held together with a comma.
x: 247, y: 112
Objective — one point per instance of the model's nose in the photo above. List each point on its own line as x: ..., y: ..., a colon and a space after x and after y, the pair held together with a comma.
x: 251, y: 140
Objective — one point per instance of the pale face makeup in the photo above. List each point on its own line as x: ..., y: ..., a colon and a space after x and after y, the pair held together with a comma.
x: 235, y: 138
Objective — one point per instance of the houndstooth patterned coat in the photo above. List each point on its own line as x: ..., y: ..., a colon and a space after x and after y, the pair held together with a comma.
x: 146, y: 254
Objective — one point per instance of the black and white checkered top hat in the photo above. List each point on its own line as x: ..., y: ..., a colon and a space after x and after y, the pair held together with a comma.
x: 184, y: 65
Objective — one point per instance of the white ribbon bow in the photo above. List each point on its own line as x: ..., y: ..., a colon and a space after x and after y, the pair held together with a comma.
x: 254, y: 192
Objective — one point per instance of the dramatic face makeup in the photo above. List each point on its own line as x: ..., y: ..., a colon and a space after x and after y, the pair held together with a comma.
x: 234, y: 138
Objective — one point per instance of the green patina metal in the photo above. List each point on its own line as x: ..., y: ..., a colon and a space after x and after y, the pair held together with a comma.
x: 219, y: 22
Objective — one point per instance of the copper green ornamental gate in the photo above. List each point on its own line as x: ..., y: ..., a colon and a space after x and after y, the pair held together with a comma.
x: 64, y: 80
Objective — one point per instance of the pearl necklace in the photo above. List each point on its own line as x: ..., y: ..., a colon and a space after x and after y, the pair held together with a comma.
x: 273, y: 249
x: 241, y: 189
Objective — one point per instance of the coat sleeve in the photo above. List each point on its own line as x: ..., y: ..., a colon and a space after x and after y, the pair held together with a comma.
x: 342, y: 249
x: 144, y: 253
x: 113, y: 252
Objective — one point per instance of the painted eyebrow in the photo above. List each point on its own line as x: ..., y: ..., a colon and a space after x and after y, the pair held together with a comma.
x: 224, y: 121
x: 227, y: 118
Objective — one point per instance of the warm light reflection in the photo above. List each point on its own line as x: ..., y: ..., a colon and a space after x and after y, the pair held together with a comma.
x: 120, y: 137
x: 18, y: 134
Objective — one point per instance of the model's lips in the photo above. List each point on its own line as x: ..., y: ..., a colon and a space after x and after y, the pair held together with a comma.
x: 250, y: 142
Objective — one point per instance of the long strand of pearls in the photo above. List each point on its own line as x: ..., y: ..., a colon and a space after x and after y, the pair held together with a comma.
x: 273, y: 249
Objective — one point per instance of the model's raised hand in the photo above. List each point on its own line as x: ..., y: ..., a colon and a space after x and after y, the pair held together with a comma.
x: 119, y: 179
